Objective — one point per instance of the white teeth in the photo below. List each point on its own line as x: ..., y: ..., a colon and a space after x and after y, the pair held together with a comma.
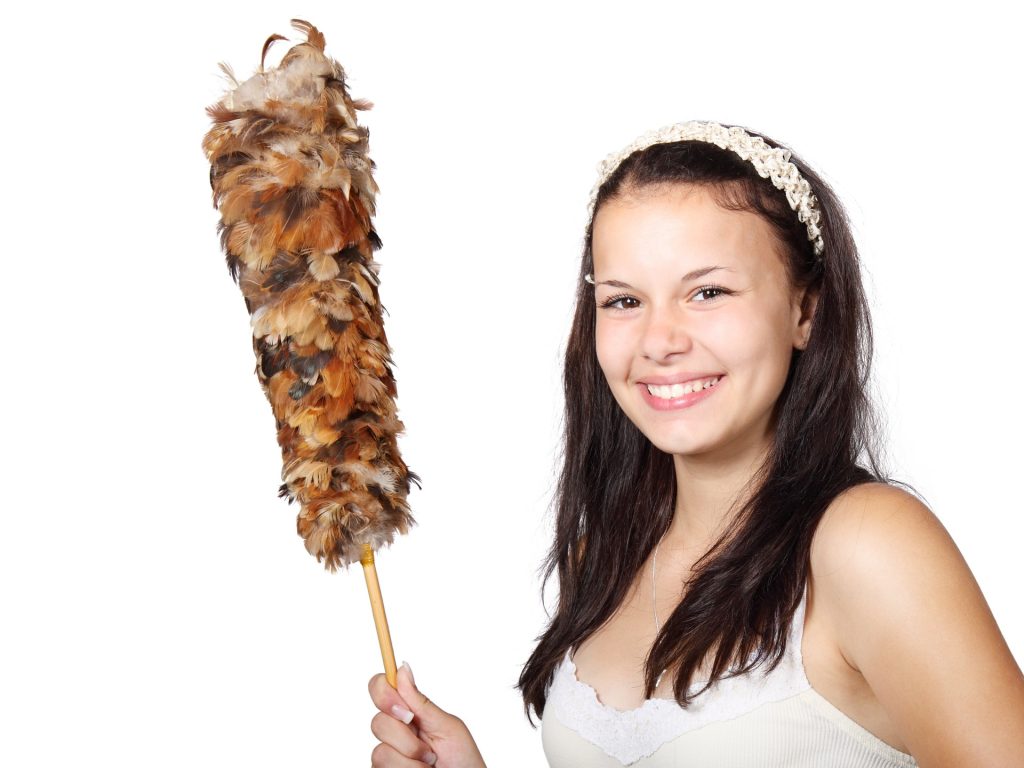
x: 672, y: 391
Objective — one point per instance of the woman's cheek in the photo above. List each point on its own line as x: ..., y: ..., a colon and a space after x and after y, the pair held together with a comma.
x: 612, y: 349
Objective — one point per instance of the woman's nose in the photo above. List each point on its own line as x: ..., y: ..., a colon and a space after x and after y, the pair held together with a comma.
x: 665, y: 333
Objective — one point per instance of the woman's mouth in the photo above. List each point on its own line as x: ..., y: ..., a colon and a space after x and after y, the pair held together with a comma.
x: 670, y: 397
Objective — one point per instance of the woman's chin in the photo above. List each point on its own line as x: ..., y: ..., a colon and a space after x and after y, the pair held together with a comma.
x: 682, y: 446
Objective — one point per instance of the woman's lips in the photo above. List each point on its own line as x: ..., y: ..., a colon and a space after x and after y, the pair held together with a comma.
x: 678, y: 403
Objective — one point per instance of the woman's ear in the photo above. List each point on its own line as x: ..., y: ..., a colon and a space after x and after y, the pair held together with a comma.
x: 803, y: 313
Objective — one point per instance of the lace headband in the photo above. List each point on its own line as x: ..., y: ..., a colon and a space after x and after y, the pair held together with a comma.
x: 769, y: 162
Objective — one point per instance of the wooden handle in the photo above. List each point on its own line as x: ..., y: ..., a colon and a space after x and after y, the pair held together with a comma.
x: 380, y: 619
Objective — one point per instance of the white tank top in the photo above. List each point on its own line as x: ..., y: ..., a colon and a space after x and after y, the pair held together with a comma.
x: 765, y: 720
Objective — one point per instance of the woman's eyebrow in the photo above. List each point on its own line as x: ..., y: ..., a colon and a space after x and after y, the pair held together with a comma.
x: 694, y: 275
x: 698, y: 273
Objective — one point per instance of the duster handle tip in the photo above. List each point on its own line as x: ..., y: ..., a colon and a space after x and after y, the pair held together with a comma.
x: 366, y: 558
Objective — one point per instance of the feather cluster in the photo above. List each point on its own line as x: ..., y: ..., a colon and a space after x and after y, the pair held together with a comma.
x: 292, y: 179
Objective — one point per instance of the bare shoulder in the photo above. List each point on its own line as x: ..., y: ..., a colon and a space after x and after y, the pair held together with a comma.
x: 880, y: 551
x: 910, y: 617
x: 871, y: 539
x: 873, y: 524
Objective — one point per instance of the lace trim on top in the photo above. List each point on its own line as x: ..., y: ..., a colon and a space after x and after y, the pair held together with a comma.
x: 633, y: 734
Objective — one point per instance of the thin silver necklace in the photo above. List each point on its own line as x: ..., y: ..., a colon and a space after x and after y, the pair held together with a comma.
x: 654, y: 599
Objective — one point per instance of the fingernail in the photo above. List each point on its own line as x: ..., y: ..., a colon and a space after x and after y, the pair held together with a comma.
x: 402, y: 714
x: 409, y: 669
x: 430, y: 758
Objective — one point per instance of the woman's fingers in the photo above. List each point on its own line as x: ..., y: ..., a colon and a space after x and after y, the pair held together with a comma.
x: 385, y: 756
x: 392, y: 727
x: 401, y: 740
x: 430, y: 720
x: 387, y: 699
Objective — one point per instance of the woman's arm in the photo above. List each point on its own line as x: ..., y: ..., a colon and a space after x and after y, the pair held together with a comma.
x: 911, y: 618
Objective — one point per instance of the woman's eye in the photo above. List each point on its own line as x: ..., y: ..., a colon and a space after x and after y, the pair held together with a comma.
x: 610, y: 303
x: 715, y: 290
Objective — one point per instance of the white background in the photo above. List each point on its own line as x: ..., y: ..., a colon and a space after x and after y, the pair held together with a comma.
x: 158, y: 607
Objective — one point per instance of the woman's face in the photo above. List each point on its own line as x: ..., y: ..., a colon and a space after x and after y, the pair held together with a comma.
x: 689, y: 293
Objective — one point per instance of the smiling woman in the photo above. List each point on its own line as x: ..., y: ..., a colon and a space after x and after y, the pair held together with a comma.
x: 804, y: 605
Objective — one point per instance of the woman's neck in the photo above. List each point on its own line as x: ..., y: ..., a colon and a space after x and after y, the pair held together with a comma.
x: 710, y: 490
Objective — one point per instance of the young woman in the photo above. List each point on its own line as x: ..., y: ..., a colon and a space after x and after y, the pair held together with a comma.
x: 739, y: 583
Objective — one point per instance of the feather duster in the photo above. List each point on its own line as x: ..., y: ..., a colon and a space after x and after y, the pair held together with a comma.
x: 292, y: 179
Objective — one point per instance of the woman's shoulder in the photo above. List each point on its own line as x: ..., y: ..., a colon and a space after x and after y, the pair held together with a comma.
x: 871, y: 539
x: 874, y: 502
x: 909, y: 616
x: 869, y: 523
x: 876, y: 549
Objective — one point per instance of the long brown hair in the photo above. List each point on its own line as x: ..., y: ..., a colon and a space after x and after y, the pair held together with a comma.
x: 616, y: 491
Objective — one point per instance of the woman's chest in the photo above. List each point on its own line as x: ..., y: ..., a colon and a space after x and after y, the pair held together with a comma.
x: 611, y: 661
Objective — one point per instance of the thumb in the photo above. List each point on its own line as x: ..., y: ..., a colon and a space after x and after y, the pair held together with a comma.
x: 429, y: 717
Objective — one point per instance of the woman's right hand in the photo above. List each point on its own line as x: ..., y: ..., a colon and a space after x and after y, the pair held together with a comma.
x: 424, y: 734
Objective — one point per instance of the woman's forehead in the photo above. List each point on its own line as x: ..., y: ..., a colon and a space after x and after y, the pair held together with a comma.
x: 682, y: 229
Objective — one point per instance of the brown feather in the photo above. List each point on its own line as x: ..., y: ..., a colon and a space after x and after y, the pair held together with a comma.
x: 313, y: 35
x: 266, y: 47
